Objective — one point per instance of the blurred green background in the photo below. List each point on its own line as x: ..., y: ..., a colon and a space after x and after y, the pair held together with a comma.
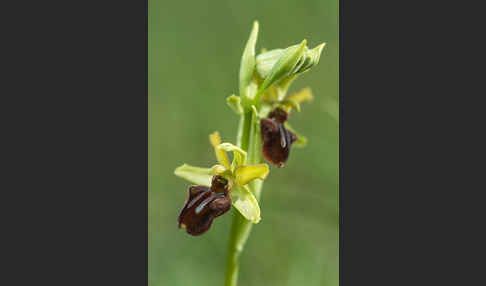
x: 194, y: 55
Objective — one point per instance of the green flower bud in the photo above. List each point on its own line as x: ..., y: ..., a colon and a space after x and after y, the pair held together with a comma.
x: 284, y: 65
x: 266, y: 60
x: 281, y: 66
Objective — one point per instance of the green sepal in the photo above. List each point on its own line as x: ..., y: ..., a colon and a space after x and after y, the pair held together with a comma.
x: 246, y: 203
x: 195, y: 175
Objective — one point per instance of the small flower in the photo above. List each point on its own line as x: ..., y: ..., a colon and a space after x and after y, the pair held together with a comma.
x: 276, y: 138
x: 227, y: 181
x: 203, y: 205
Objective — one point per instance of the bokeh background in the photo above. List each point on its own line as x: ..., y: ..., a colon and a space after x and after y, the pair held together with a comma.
x: 194, y: 54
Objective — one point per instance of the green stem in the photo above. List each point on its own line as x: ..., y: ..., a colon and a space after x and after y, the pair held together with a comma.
x: 244, y: 129
x: 240, y: 230
x: 248, y: 140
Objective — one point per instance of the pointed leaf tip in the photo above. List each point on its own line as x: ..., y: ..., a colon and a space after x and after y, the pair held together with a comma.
x: 248, y: 62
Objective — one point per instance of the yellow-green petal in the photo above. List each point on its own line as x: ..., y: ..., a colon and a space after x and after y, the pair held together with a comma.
x: 239, y: 155
x: 247, y: 173
x: 221, y: 156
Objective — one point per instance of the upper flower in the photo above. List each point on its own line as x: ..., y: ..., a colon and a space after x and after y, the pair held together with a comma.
x: 276, y: 138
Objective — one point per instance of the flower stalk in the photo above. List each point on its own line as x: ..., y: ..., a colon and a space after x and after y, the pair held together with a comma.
x: 241, y: 227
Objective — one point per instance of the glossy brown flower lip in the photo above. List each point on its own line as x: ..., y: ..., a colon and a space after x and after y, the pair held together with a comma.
x: 276, y: 138
x: 203, y: 205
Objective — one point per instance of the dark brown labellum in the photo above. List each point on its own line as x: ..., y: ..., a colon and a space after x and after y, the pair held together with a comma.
x: 276, y: 138
x: 203, y: 205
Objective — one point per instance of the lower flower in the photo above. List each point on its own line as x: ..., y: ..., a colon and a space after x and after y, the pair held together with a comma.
x: 203, y: 205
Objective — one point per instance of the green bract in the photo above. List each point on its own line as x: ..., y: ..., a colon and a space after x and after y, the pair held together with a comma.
x: 247, y: 65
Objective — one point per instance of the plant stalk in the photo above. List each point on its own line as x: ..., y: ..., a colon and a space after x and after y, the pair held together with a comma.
x: 248, y: 140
